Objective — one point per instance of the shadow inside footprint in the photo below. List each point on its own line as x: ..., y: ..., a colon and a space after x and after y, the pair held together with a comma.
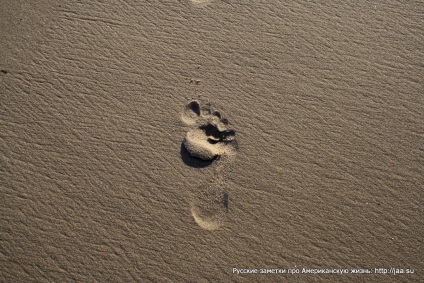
x: 225, y: 201
x: 193, y: 161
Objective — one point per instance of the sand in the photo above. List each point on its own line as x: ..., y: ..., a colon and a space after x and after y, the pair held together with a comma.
x: 196, y: 141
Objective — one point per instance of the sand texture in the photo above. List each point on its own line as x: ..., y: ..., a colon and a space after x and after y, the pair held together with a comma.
x: 172, y: 141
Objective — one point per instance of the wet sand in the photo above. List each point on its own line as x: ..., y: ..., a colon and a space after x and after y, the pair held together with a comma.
x: 306, y: 149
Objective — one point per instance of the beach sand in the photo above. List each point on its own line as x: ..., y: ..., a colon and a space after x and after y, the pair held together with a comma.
x: 309, y: 118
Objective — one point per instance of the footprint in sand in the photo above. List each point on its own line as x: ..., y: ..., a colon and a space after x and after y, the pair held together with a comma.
x: 200, y: 2
x: 209, y: 136
x: 209, y: 139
